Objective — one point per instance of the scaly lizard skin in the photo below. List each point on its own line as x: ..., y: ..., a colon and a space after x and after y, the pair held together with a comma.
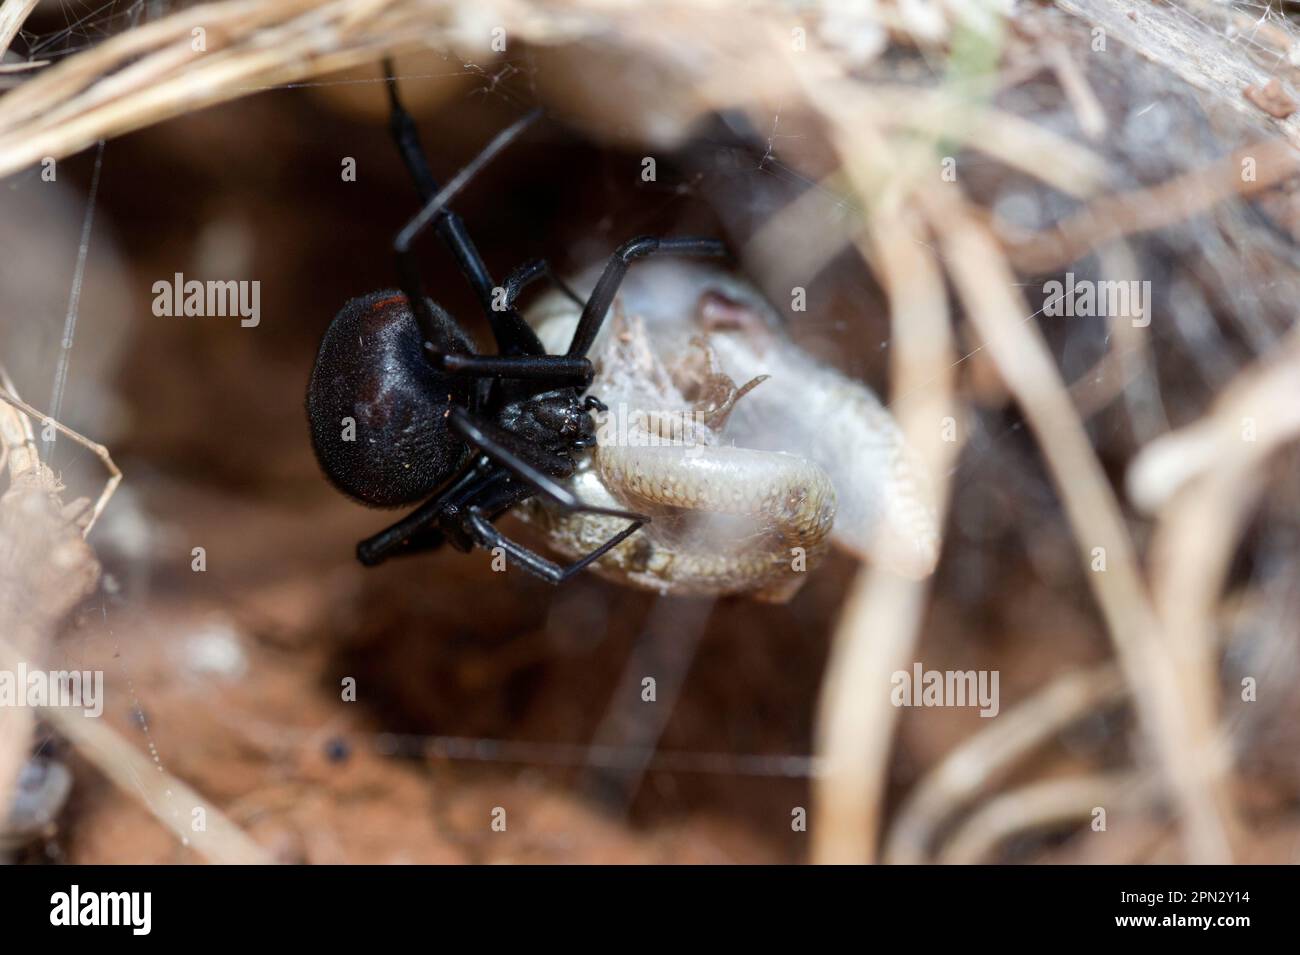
x: 727, y: 520
x: 811, y: 411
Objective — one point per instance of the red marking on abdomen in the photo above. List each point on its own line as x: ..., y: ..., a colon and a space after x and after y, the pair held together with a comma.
x: 384, y: 302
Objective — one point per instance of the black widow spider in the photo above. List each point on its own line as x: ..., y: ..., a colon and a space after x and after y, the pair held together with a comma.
x: 402, y: 409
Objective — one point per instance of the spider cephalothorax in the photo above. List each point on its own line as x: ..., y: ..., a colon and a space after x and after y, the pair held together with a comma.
x: 402, y: 409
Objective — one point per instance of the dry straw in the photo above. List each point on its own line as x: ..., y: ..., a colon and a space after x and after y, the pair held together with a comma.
x: 45, y: 568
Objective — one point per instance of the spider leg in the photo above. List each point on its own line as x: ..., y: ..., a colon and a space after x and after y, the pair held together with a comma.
x: 512, y: 334
x: 488, y: 537
x: 528, y: 273
x: 449, y: 226
x: 500, y: 446
x: 563, y: 370
x: 602, y: 296
x: 422, y: 541
x: 417, y: 531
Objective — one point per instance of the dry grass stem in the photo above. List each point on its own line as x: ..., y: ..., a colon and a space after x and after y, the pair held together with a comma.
x: 1165, y: 693
x: 13, y: 14
x: 987, y: 756
x: 1045, y: 805
x: 1248, y: 171
x: 878, y: 627
x: 45, y: 568
x: 169, y: 800
x: 101, y: 452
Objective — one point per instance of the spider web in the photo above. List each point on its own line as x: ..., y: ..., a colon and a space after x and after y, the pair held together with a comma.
x: 85, y: 24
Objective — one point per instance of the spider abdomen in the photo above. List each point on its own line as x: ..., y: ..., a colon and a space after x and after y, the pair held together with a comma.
x: 377, y: 406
